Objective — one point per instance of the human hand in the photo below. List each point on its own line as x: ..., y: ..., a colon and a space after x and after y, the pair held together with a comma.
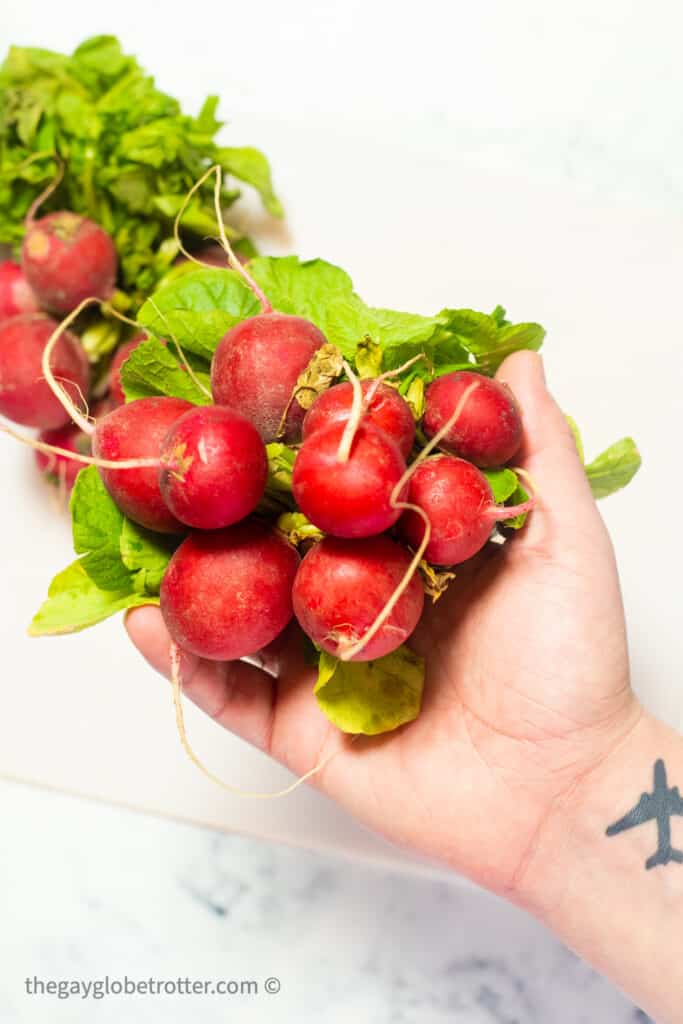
x: 527, y: 688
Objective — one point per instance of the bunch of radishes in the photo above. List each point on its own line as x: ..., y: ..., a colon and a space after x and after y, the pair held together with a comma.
x: 65, y: 259
x: 235, y: 581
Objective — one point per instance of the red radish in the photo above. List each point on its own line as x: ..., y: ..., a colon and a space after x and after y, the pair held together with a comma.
x: 59, y: 468
x: 214, y: 467
x: 15, y: 291
x: 349, y: 498
x: 256, y: 367
x: 137, y: 431
x: 67, y: 258
x: 488, y: 431
x: 343, y: 585
x: 25, y: 396
x: 115, y: 388
x: 386, y: 410
x: 458, y: 501
x: 228, y: 593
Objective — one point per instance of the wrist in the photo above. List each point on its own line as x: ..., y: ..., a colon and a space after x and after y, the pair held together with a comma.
x: 573, y: 834
x: 604, y: 873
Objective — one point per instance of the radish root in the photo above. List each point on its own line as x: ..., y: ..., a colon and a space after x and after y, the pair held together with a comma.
x: 346, y: 653
x: 176, y: 686
x: 233, y: 262
x: 87, y: 460
x: 357, y: 412
x: 82, y: 420
x: 388, y: 374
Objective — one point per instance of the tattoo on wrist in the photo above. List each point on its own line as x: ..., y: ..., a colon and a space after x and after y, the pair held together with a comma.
x: 660, y: 805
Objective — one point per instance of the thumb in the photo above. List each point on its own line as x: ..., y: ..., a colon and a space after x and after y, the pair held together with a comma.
x: 566, y: 510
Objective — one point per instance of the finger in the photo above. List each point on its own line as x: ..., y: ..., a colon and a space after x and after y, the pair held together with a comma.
x: 566, y: 509
x: 279, y: 715
x: 238, y: 696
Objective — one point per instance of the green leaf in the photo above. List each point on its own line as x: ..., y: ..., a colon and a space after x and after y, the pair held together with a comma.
x: 119, y: 555
x: 489, y: 338
x: 297, y: 528
x: 100, y: 338
x: 280, y: 467
x: 122, y: 564
x: 74, y: 602
x: 368, y: 358
x: 96, y: 525
x: 102, y: 54
x: 371, y: 697
x: 414, y: 395
x: 198, y: 308
x: 251, y: 166
x: 130, y: 153
x: 503, y: 483
x: 614, y: 468
x: 320, y: 292
x: 145, y: 554
x: 152, y: 369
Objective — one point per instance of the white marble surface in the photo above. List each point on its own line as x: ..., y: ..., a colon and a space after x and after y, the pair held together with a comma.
x: 89, y: 890
x: 583, y: 94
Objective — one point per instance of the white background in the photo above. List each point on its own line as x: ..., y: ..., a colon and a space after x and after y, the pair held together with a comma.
x: 445, y: 154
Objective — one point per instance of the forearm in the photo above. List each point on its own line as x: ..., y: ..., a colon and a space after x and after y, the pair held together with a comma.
x: 595, y: 891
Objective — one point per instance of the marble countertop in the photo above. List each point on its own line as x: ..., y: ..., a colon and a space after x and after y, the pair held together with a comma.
x: 89, y: 890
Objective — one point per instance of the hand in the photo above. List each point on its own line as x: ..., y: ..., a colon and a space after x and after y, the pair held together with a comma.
x: 527, y: 687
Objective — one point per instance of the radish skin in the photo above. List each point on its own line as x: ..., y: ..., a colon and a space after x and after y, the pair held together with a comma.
x: 228, y: 593
x: 343, y: 585
x: 213, y: 467
x: 385, y: 409
x: 67, y: 258
x: 256, y: 366
x: 488, y: 431
x: 458, y: 501
x: 137, y: 431
x: 16, y: 295
x: 25, y: 396
x: 352, y: 498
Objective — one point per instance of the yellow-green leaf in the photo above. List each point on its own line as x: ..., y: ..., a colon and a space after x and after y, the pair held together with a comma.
x: 371, y: 697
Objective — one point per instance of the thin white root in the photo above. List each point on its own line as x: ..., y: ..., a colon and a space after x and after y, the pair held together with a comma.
x: 347, y: 653
x: 233, y: 262
x: 87, y: 460
x: 56, y: 388
x: 176, y: 685
x: 450, y: 422
x: 388, y: 374
x: 355, y: 417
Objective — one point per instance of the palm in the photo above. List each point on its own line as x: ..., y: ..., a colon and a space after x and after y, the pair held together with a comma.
x: 527, y: 682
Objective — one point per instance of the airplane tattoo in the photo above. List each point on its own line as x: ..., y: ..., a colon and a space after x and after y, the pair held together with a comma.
x: 660, y: 806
